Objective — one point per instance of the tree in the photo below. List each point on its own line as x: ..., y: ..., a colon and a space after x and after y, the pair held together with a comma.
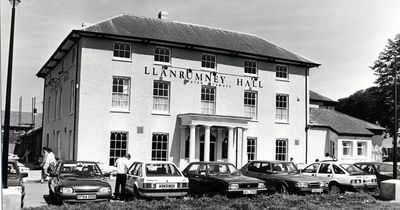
x: 384, y: 67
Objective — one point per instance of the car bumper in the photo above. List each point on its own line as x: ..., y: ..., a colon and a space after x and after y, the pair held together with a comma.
x: 163, y: 192
x: 310, y: 190
x: 72, y: 198
x: 247, y: 191
x: 361, y: 186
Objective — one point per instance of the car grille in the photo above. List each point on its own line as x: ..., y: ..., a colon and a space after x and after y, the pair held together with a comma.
x: 85, y: 190
x: 249, y: 185
x: 314, y: 185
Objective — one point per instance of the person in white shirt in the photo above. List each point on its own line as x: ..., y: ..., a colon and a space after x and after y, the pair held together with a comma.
x: 122, y: 165
x: 48, y: 159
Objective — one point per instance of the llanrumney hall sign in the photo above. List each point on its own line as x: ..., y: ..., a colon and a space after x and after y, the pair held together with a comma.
x: 202, y: 77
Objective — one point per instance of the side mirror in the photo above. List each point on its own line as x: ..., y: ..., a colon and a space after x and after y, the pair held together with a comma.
x: 24, y: 174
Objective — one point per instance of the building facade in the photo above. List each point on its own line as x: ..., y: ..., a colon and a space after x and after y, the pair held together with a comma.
x: 165, y: 90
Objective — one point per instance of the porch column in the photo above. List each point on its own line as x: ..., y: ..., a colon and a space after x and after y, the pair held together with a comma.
x: 192, y: 143
x: 219, y: 144
x: 183, y: 141
x: 230, y: 145
x: 244, y: 146
x: 206, y: 143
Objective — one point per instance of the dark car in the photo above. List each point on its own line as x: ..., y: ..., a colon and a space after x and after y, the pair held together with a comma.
x: 221, y: 177
x: 78, y: 181
x: 383, y: 171
x: 283, y: 177
x: 14, y: 179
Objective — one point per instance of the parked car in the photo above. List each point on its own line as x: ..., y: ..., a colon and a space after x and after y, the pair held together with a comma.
x: 78, y: 181
x: 221, y: 177
x: 383, y: 171
x: 283, y: 177
x: 341, y: 176
x: 156, y: 179
x: 14, y: 178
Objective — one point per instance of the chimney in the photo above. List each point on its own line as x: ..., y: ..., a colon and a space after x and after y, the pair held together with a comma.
x: 163, y: 15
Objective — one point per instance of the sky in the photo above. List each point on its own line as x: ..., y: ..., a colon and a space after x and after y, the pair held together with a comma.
x: 344, y: 36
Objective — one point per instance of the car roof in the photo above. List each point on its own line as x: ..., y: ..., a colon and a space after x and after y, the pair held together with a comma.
x: 154, y: 162
x: 271, y: 161
x: 210, y: 162
x: 77, y: 161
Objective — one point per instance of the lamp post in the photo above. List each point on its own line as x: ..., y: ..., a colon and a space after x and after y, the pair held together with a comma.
x: 6, y: 136
x: 395, y: 122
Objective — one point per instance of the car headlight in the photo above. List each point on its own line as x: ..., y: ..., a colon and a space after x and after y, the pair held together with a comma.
x: 233, y: 186
x: 301, y: 184
x: 105, y: 189
x: 17, y: 188
x: 322, y: 184
x: 261, y: 185
x: 66, y: 190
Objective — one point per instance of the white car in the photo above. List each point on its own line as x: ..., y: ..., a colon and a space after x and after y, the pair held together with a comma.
x: 156, y: 179
x: 341, y: 176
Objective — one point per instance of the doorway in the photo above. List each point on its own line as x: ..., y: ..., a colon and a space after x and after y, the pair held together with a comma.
x: 212, y: 148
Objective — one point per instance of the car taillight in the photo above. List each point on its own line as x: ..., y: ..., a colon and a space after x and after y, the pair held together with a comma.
x: 355, y: 181
x: 148, y: 185
x: 185, y: 184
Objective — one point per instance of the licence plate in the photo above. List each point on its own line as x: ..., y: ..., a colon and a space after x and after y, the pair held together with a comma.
x: 85, y: 197
x: 316, y: 190
x: 249, y: 192
x: 166, y: 186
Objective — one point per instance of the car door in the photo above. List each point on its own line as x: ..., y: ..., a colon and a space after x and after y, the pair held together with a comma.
x: 192, y: 174
x: 129, y: 179
x: 325, y: 171
x: 311, y: 170
x: 265, y: 173
x: 339, y: 174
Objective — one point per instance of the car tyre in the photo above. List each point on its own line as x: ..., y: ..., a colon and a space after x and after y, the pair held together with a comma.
x: 335, y: 188
x: 282, y: 189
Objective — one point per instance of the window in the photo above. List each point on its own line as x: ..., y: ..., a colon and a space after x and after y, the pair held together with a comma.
x: 362, y: 148
x: 281, y: 149
x: 120, y: 93
x: 187, y: 147
x: 118, y: 146
x: 162, y: 55
x: 337, y: 170
x: 59, y: 113
x: 250, y: 104
x: 282, y: 72
x: 122, y: 50
x: 208, y: 61
x: 55, y: 106
x: 250, y: 67
x: 282, y: 108
x: 311, y: 168
x: 207, y: 100
x: 161, y: 96
x: 346, y: 148
x: 159, y: 146
x: 325, y: 169
x: 254, y: 167
x: 251, y: 149
x: 48, y: 108
x: 72, y: 97
x: 332, y: 148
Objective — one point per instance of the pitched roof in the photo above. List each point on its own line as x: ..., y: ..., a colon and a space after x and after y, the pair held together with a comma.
x: 185, y: 34
x: 341, y: 123
x: 26, y: 119
x: 317, y: 97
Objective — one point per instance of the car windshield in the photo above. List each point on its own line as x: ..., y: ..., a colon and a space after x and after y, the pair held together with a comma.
x: 351, y: 169
x: 12, y: 170
x: 385, y: 168
x: 162, y: 169
x: 284, y: 167
x: 80, y: 169
x: 222, y: 169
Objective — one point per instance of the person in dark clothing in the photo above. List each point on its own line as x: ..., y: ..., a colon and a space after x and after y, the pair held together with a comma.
x: 122, y: 165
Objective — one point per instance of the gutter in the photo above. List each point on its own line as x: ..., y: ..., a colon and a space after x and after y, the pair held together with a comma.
x: 74, y: 143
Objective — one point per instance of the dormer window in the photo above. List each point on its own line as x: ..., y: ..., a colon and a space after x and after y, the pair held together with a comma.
x: 250, y: 67
x: 162, y: 55
x: 208, y: 61
x: 122, y: 50
x: 282, y: 72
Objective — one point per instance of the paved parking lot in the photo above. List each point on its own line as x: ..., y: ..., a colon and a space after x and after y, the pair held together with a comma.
x: 36, y: 193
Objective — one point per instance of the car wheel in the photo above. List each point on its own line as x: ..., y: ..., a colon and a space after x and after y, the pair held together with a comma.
x: 282, y: 189
x: 335, y: 188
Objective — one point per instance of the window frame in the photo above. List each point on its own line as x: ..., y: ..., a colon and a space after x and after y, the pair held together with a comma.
x: 249, y: 105
x: 363, y: 148
x: 280, y: 119
x: 206, y: 61
x: 280, y: 154
x: 247, y: 67
x: 349, y: 147
x: 155, y: 150
x: 253, y: 147
x: 115, y: 148
x: 122, y: 51
x: 162, y: 62
x: 167, y: 111
x: 277, y: 71
x: 208, y: 101
x: 120, y: 108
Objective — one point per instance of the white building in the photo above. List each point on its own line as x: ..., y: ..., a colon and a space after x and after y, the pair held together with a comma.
x: 166, y: 90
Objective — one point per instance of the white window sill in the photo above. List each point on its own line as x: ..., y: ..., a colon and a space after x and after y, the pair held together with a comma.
x: 208, y: 69
x: 281, y: 122
x: 251, y: 75
x: 159, y: 63
x: 160, y: 113
x: 122, y: 59
x: 282, y: 79
x: 120, y: 111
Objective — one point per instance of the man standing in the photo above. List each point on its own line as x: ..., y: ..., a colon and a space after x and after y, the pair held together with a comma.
x: 42, y: 165
x: 122, y: 165
x: 48, y: 159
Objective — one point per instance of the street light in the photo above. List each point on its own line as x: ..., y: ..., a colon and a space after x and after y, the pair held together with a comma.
x: 6, y: 136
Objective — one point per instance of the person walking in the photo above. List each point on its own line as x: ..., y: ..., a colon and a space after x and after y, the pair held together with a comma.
x: 42, y: 165
x: 48, y: 159
x: 122, y: 165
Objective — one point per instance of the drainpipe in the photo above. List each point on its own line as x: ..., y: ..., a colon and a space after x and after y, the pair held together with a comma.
x: 74, y: 140
x: 306, y: 103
